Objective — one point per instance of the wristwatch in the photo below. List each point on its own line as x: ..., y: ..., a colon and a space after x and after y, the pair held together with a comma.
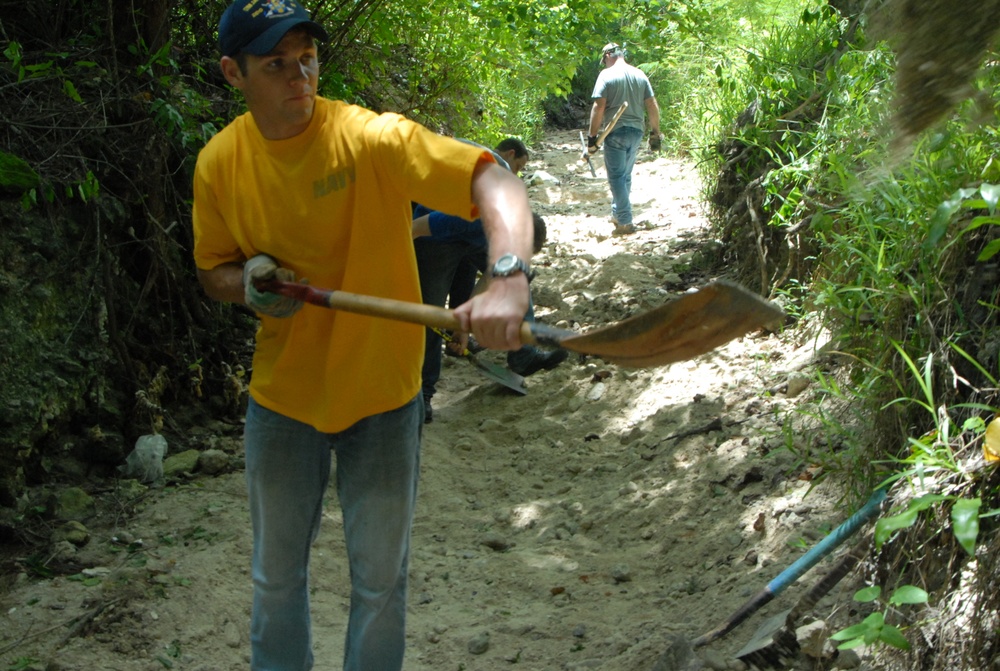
x: 508, y: 265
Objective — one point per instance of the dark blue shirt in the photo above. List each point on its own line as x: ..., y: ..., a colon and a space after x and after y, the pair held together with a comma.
x: 449, y: 228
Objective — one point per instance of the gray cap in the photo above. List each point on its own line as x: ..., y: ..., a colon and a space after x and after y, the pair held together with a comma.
x: 610, y: 48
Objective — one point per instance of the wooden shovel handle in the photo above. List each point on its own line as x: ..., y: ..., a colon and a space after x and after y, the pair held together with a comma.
x: 430, y: 316
x: 687, y: 326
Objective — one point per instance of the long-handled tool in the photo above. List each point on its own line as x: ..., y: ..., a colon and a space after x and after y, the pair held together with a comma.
x: 679, y: 655
x: 681, y: 329
x: 497, y: 373
x: 600, y: 138
x: 799, y: 567
x: 586, y: 154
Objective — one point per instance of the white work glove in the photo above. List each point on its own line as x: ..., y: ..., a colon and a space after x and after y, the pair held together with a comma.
x: 263, y: 267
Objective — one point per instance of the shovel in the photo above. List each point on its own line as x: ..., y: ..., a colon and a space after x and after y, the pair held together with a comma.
x: 495, y: 372
x: 600, y: 139
x: 847, y: 529
x: 776, y: 632
x: 682, y: 329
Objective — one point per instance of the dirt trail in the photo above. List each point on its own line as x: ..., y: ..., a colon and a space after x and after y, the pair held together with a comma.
x: 577, y: 527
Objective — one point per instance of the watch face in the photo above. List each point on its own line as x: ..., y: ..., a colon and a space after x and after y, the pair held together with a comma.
x: 508, y: 264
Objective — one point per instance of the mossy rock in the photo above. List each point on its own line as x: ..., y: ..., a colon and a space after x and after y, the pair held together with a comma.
x: 177, y: 465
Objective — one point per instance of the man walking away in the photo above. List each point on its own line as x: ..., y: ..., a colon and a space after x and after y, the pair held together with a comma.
x: 617, y: 84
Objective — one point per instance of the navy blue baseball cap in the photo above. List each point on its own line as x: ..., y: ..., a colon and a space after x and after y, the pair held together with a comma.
x: 256, y: 26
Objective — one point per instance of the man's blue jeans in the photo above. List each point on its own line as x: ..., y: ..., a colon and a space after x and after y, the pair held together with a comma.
x: 287, y: 470
x: 620, y: 150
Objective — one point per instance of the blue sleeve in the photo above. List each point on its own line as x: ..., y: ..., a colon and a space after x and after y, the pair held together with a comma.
x: 448, y: 228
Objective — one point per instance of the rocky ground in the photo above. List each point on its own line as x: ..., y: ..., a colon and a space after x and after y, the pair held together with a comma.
x: 596, y: 522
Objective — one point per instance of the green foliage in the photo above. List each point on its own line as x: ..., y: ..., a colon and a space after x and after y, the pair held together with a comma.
x: 895, y: 241
x: 178, y: 107
x: 478, y: 70
x: 55, y: 71
x: 983, y: 197
x: 894, y: 254
x: 874, y: 628
x: 50, y: 68
x: 964, y: 519
x: 710, y: 60
x: 15, y: 174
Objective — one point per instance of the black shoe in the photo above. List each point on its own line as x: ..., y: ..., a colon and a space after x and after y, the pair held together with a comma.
x: 536, y: 360
x: 428, y: 411
x: 474, y: 346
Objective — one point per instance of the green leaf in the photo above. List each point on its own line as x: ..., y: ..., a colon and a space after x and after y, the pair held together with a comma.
x: 71, y: 91
x: 854, y: 631
x: 991, y: 194
x: 868, y: 594
x: 39, y: 68
x: 989, y: 251
x: 853, y: 643
x: 876, y: 619
x: 893, y: 637
x: 974, y: 204
x: 16, y: 174
x: 908, y: 594
x: 886, y: 526
x: 942, y: 216
x: 965, y: 523
x: 981, y: 221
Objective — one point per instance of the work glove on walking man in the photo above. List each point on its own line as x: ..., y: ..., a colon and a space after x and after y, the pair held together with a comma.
x: 655, y: 141
x: 592, y: 144
x: 263, y: 267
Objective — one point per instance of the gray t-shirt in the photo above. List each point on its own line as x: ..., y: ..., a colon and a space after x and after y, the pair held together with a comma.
x: 623, y: 82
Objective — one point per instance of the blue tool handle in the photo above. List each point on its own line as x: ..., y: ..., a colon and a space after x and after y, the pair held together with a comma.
x: 826, y: 546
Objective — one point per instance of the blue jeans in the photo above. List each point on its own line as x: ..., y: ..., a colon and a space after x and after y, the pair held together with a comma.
x: 620, y: 150
x: 287, y: 470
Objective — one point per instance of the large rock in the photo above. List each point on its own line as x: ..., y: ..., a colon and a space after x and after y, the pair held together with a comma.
x: 184, y: 462
x: 73, y: 504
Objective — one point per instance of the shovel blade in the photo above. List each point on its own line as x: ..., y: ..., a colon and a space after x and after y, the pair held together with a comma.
x: 499, y: 374
x: 765, y: 634
x: 682, y: 329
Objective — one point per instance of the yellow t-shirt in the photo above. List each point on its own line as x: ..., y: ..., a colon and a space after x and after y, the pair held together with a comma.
x: 333, y: 204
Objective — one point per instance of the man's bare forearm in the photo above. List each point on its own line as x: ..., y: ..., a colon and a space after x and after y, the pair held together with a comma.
x: 596, y: 116
x: 653, y: 109
x: 504, y: 210
x: 223, y: 283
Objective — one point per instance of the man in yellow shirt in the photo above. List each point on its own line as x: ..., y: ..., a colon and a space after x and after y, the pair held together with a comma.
x: 305, y: 187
